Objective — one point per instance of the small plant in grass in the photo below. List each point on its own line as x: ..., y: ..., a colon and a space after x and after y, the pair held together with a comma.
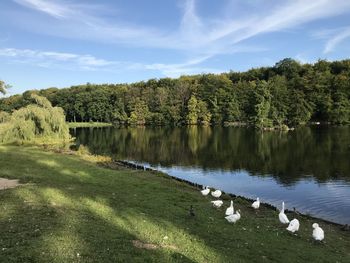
x: 83, y: 150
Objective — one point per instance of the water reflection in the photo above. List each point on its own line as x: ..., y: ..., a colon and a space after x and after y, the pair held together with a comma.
x: 308, y: 167
x: 322, y: 153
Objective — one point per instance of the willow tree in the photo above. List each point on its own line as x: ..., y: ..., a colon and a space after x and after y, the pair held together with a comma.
x: 38, y: 121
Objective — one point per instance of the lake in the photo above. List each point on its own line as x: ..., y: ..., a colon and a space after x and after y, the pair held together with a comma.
x: 308, y: 168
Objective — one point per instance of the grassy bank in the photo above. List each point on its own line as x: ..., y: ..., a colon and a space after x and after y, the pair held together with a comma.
x: 71, y: 210
x: 88, y: 124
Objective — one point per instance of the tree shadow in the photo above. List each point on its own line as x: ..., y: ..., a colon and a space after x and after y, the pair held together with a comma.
x: 77, y: 212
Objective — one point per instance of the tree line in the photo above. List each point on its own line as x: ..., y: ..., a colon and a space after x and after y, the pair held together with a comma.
x: 287, y: 94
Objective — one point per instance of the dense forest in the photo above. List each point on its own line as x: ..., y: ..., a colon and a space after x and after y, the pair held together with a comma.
x: 287, y: 94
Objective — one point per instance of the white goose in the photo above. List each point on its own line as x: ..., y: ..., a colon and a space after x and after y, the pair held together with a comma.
x: 205, y: 191
x: 282, y: 216
x: 317, y: 233
x: 216, y: 193
x: 230, y: 210
x: 234, y: 217
x: 256, y: 204
x: 217, y: 203
x: 293, y: 225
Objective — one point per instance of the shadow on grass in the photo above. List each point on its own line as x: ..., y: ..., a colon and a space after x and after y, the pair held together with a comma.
x: 67, y: 214
x: 73, y: 211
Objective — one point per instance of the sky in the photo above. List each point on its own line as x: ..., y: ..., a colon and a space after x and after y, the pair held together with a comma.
x: 59, y: 43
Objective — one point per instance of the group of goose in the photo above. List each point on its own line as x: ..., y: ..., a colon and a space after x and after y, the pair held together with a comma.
x: 232, y: 217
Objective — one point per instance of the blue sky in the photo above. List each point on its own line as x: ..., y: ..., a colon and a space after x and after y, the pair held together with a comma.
x: 59, y: 43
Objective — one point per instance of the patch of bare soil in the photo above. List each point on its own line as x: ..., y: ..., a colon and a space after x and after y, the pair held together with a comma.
x: 6, y: 183
x: 140, y: 244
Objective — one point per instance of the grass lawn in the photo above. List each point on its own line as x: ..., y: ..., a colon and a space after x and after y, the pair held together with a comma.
x: 88, y: 124
x: 72, y: 210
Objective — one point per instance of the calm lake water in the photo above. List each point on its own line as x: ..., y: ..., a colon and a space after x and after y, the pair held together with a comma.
x: 308, y: 168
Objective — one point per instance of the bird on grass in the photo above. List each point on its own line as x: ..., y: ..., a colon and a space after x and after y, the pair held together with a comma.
x: 345, y: 227
x: 205, y: 191
x: 230, y: 210
x: 256, y: 204
x: 234, y: 217
x: 191, y: 211
x: 317, y: 233
x: 216, y: 193
x: 282, y: 216
x: 293, y: 225
x: 217, y: 203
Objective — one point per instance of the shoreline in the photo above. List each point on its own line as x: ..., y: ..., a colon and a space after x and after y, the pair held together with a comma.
x: 102, y: 209
x: 73, y: 125
x: 134, y: 166
x: 284, y: 128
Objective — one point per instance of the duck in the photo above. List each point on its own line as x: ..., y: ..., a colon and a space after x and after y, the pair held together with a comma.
x: 205, y: 191
x: 216, y: 193
x: 317, y: 233
x: 256, y: 203
x: 230, y: 210
x: 282, y: 216
x: 234, y: 217
x: 293, y: 225
x: 345, y: 227
x: 191, y: 211
x: 217, y: 203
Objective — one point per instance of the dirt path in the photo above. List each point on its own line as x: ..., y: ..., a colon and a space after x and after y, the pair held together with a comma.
x: 6, y: 183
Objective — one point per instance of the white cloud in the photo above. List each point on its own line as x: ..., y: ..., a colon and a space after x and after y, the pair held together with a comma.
x: 70, y: 61
x: 336, y: 39
x: 194, y: 33
x: 198, y: 38
x: 49, y: 7
x: 56, y: 59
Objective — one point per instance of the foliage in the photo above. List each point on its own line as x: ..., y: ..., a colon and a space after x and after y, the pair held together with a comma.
x: 4, y: 117
x: 262, y: 106
x: 192, y: 115
x: 288, y: 93
x: 37, y: 121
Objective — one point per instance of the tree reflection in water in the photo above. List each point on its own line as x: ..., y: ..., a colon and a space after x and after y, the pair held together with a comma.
x: 319, y: 152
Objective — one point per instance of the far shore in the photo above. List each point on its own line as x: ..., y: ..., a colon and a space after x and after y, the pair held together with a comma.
x: 88, y: 124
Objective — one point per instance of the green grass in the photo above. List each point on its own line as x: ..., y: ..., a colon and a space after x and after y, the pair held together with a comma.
x: 72, y: 210
x: 88, y: 124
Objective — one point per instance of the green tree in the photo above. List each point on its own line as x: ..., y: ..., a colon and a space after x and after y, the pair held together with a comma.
x: 288, y: 67
x: 262, y: 106
x: 231, y: 110
x: 204, y: 116
x: 340, y: 113
x: 192, y: 113
x: 300, y: 110
x: 139, y: 113
x: 279, y: 100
